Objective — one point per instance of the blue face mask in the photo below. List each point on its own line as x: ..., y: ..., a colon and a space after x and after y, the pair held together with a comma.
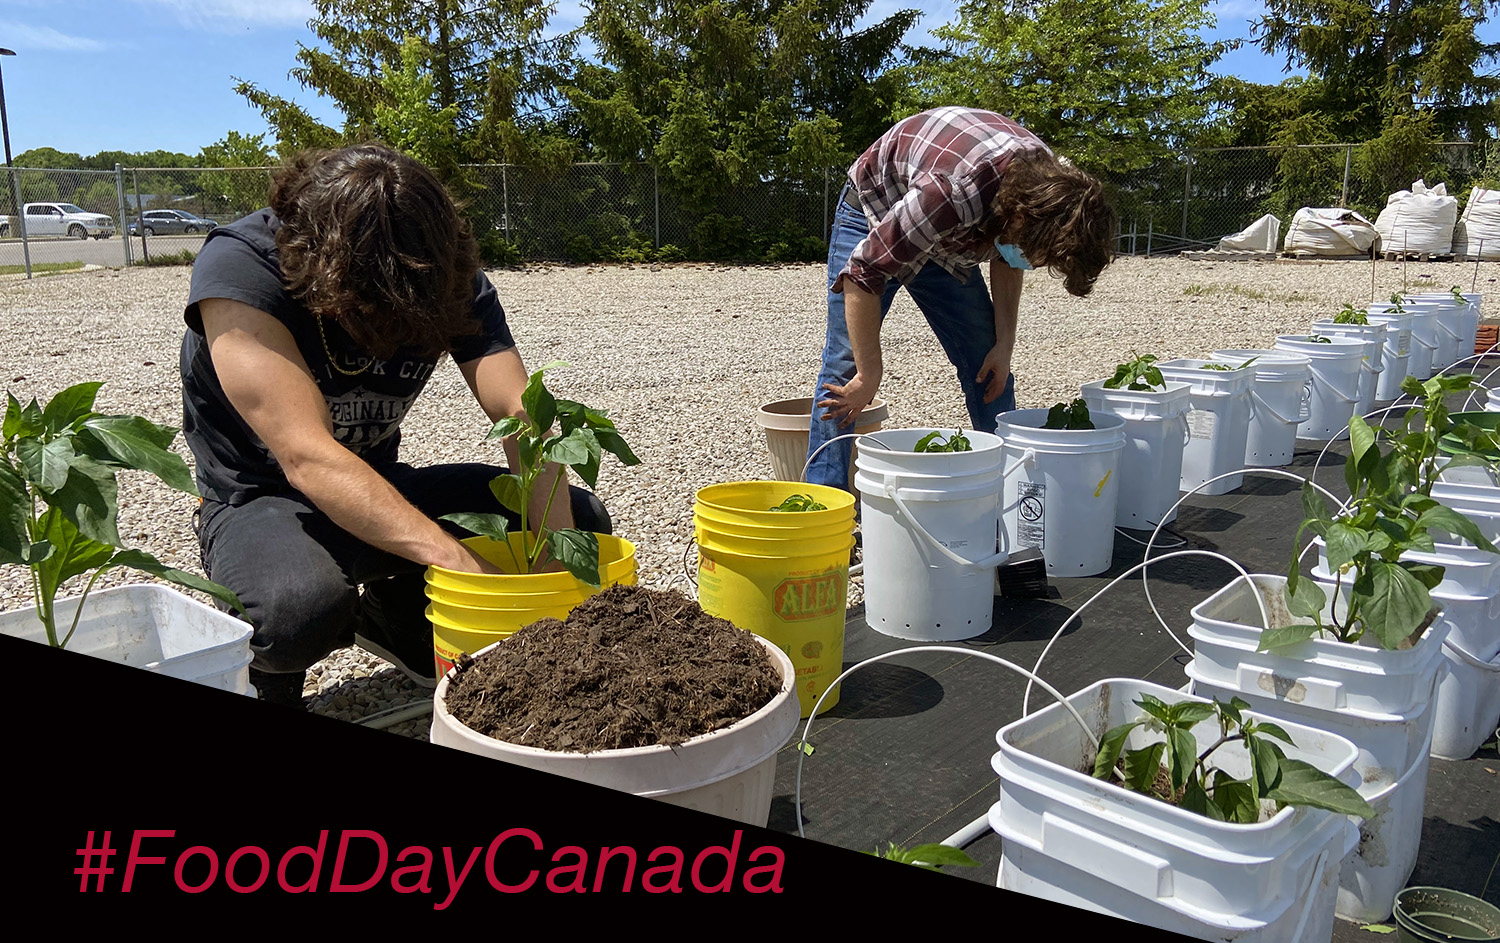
x: 1013, y: 256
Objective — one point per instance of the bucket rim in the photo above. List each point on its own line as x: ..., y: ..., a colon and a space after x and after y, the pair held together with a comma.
x: 840, y: 502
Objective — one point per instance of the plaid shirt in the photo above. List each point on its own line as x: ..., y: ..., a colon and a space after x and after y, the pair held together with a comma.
x: 924, y: 186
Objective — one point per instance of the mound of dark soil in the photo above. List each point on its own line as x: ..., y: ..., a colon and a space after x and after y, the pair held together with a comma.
x: 631, y: 667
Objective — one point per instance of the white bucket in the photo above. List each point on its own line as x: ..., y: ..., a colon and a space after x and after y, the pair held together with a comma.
x: 1471, y: 320
x: 1451, y: 326
x: 1396, y: 358
x: 1218, y: 424
x: 1280, y: 399
x: 921, y: 510
x: 1492, y: 400
x: 154, y: 627
x: 1076, y: 840
x: 1061, y: 490
x: 1336, y: 367
x: 1468, y: 701
x: 1424, y: 338
x: 1387, y: 849
x: 1372, y: 335
x: 786, y: 425
x: 1156, y: 434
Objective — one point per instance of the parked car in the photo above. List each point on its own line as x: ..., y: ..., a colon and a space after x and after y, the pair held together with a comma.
x: 65, y: 219
x: 161, y: 222
x: 7, y: 223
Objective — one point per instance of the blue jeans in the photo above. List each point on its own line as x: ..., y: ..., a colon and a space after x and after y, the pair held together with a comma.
x: 961, y: 315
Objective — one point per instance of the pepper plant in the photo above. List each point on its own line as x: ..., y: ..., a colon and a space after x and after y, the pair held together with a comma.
x: 584, y: 435
x: 1074, y: 415
x: 59, y: 496
x: 1352, y: 315
x: 1389, y: 514
x: 937, y: 442
x: 1195, y: 784
x: 1138, y: 373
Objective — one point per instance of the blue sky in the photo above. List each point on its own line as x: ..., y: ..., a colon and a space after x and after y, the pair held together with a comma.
x: 135, y: 75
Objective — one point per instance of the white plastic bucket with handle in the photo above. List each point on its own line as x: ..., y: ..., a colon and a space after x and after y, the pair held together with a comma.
x: 1156, y: 435
x: 1396, y: 358
x: 1280, y: 400
x: 1217, y: 424
x: 1061, y: 489
x: 1451, y: 326
x: 1424, y: 337
x: 1336, y: 364
x: 931, y: 528
x: 1371, y: 366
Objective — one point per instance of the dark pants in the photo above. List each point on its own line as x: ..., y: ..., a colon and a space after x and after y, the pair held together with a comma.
x: 298, y: 574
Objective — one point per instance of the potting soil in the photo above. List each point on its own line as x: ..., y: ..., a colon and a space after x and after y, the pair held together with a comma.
x: 631, y: 667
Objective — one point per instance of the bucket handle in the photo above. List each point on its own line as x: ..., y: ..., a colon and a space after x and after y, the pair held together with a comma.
x: 1449, y: 331
x: 1472, y: 660
x: 1027, y: 457
x: 1304, y: 413
x: 1187, y: 430
x: 1418, y: 338
x: 892, y: 492
x: 1340, y: 393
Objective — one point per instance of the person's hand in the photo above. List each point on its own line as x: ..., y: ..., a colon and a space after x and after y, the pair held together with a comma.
x: 844, y: 403
x: 466, y: 560
x: 994, y: 373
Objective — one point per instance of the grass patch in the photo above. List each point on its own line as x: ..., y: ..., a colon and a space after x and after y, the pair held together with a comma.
x: 41, y: 268
x: 185, y: 257
x: 1254, y: 294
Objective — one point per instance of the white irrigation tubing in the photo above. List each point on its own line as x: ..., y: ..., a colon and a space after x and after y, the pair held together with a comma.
x: 1180, y: 542
x: 397, y: 715
x: 807, y: 729
x: 1026, y: 700
x: 848, y: 435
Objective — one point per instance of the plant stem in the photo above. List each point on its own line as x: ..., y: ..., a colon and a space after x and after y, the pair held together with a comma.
x: 1203, y: 757
x: 81, y: 600
x: 547, y: 515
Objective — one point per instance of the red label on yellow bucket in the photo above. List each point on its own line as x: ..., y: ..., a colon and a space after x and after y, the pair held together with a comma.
x: 797, y: 600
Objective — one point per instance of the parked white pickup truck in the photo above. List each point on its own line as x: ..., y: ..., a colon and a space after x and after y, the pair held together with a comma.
x: 65, y: 219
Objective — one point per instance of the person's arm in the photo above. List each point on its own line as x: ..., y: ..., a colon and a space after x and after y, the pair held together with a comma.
x: 862, y: 314
x: 269, y: 384
x: 1005, y: 287
x: 498, y: 380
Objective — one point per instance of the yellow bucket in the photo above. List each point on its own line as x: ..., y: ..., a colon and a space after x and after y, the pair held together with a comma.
x: 469, y: 611
x: 782, y: 575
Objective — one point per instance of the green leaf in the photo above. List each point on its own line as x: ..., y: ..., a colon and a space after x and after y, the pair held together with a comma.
x: 143, y: 445
x: 578, y: 550
x: 509, y: 491
x: 494, y: 526
x: 1268, y: 729
x: 72, y: 555
x: 22, y: 421
x: 576, y: 448
x: 1181, y: 754
x: 71, y: 404
x: 1141, y: 766
x: 505, y: 428
x: 1156, y: 707
x: 611, y: 442
x: 46, y: 463
x: 1265, y: 765
x: 930, y: 856
x: 1314, y: 508
x: 1235, y: 799
x: 1306, y: 599
x: 1303, y: 784
x: 1284, y: 636
x: 540, y: 405
x: 1397, y: 603
x: 146, y: 563
x: 1188, y: 713
x: 16, y: 508
x: 1447, y: 519
x: 1344, y: 544
x: 1377, y: 928
x: 1195, y: 800
x: 89, y: 499
x: 1428, y: 574
x: 925, y: 441
x: 1109, y: 749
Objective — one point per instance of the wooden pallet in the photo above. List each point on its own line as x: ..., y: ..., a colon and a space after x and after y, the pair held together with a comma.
x: 1229, y: 255
x: 1418, y: 256
x: 1305, y: 255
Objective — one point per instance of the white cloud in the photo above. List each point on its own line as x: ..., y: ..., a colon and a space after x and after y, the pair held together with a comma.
x: 1228, y: 10
x: 21, y: 36
x: 220, y: 13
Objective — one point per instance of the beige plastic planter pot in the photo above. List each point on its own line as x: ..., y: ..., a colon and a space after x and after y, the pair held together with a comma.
x: 729, y: 772
x: 786, y: 425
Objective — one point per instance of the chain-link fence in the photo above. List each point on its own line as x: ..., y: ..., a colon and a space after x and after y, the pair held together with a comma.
x: 60, y: 219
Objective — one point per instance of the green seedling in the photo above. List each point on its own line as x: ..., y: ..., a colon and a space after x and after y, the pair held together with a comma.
x: 1226, y: 367
x: 1139, y: 373
x: 1319, y: 339
x: 59, y: 498
x: 1352, y: 315
x: 585, y: 435
x: 1074, y: 415
x: 800, y: 502
x: 1390, y: 513
x: 1396, y: 304
x: 937, y: 442
x: 1193, y: 783
x: 1458, y: 295
x: 931, y: 856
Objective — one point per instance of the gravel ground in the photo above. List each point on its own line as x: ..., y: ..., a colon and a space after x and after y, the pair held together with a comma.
x: 681, y: 357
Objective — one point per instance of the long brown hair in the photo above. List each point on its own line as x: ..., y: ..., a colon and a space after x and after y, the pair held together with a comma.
x: 371, y: 237
x: 1058, y: 216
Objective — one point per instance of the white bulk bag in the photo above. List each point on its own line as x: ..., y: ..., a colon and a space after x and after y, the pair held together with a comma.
x: 1329, y: 231
x: 1418, y: 220
x: 1477, y: 234
x: 1260, y: 236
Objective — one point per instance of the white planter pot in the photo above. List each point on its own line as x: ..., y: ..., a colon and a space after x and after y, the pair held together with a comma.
x: 729, y: 772
x: 1077, y: 840
x: 1217, y: 424
x: 921, y: 511
x: 1372, y: 335
x: 1336, y: 367
x: 1156, y: 437
x: 1492, y: 401
x: 1280, y: 400
x: 1468, y: 703
x: 153, y: 627
x: 786, y: 424
x: 1452, y: 328
x: 1061, y: 490
x: 1396, y: 358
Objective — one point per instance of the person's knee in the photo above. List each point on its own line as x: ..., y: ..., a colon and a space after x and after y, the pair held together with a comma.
x: 300, y: 620
x: 589, y: 513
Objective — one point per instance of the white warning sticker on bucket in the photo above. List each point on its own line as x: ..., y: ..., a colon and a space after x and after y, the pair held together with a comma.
x: 1031, y: 510
x: 1201, y: 423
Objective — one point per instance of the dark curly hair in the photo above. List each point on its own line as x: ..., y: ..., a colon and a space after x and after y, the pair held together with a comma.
x: 371, y: 237
x: 1058, y: 216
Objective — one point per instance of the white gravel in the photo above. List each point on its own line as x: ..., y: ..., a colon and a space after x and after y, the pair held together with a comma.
x: 681, y: 357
